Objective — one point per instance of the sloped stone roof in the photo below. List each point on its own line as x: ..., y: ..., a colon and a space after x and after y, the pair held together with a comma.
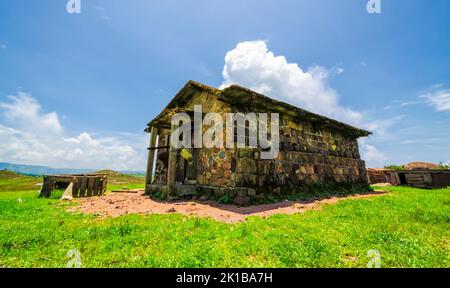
x: 241, y: 96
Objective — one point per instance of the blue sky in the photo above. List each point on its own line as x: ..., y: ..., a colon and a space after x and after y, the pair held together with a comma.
x: 96, y: 78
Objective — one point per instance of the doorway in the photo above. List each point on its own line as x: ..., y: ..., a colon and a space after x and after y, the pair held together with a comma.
x: 402, y: 177
x: 186, y: 171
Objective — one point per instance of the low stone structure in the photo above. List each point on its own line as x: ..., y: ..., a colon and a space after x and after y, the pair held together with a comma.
x: 378, y: 176
x: 428, y: 179
x: 313, y: 150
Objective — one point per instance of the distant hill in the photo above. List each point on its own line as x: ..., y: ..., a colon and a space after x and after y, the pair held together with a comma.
x: 121, y: 173
x: 43, y: 170
x: 5, y: 174
x: 422, y: 166
x: 121, y: 179
x: 109, y: 172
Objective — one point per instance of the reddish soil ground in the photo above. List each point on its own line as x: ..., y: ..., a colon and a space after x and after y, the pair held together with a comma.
x: 117, y: 204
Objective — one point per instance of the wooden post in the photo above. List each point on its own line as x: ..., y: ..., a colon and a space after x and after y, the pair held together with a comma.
x: 83, y: 187
x: 171, y: 169
x: 90, y: 186
x: 105, y: 184
x: 151, y: 158
x: 47, y: 187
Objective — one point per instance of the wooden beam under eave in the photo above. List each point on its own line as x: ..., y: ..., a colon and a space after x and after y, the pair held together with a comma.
x: 171, y: 170
x: 151, y: 158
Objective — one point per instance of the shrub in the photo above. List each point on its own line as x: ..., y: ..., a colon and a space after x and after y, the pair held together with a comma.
x: 395, y: 167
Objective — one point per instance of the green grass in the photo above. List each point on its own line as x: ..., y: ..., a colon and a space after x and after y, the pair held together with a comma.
x: 118, y: 187
x: 410, y: 227
x: 118, y: 181
x: 10, y: 181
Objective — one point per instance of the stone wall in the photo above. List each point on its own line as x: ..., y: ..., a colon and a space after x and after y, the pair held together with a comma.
x: 307, y: 156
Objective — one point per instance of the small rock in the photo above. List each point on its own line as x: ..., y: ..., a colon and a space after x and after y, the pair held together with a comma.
x: 67, y: 198
x: 241, y: 201
x: 251, y: 192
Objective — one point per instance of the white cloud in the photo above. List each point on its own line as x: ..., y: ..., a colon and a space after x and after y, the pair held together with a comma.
x: 25, y: 111
x: 410, y: 103
x: 102, y: 11
x: 339, y: 70
x: 3, y: 46
x: 252, y: 65
x: 34, y: 137
x: 438, y: 98
x: 372, y: 155
x: 380, y: 126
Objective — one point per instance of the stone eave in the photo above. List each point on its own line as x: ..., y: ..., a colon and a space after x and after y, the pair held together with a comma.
x: 237, y: 95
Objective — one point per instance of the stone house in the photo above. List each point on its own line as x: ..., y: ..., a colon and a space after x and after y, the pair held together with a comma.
x: 313, y: 150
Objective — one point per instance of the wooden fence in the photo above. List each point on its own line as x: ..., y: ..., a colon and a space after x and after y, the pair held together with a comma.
x: 81, y: 185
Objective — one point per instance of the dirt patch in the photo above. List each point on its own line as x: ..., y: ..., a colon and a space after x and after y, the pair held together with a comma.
x: 382, y: 184
x: 117, y: 204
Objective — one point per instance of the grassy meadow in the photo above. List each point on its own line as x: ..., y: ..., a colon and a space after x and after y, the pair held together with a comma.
x: 410, y: 227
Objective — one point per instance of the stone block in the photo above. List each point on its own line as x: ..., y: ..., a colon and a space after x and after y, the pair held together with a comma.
x: 219, y: 192
x: 245, y: 165
x: 242, y: 201
x: 241, y: 192
x: 263, y: 167
x: 226, y: 165
x: 245, y: 153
